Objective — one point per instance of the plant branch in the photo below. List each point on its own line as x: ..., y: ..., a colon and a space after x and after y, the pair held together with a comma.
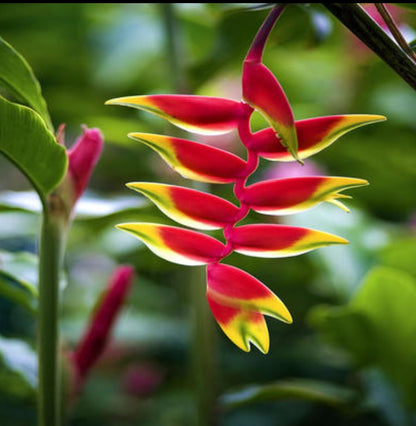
x: 361, y: 24
x: 52, y: 243
x: 388, y: 19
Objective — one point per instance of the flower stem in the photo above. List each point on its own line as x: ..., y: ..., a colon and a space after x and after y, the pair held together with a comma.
x: 255, y: 52
x: 52, y: 243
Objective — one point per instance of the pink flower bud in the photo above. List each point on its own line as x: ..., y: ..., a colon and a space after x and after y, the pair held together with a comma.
x: 97, y: 334
x: 83, y: 156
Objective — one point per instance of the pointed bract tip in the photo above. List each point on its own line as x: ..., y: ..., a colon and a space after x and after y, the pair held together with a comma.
x: 377, y: 117
x: 115, y: 101
x: 132, y: 185
x: 296, y: 157
x: 110, y: 102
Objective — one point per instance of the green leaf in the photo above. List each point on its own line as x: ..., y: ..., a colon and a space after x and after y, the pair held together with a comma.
x: 17, y: 76
x: 400, y: 254
x: 26, y: 141
x: 18, y: 368
x: 378, y: 327
x: 305, y: 389
x: 347, y: 329
x: 18, y: 278
x: 16, y: 291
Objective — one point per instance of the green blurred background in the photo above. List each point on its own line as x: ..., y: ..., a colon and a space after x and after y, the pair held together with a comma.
x: 350, y: 356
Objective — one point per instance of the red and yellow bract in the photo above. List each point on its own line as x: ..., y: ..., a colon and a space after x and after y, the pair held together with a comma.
x: 194, y: 160
x: 293, y: 195
x: 314, y: 135
x: 197, y: 114
x: 238, y: 302
x: 189, y: 207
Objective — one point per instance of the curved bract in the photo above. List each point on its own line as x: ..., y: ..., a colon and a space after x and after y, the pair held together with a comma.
x: 239, y: 302
x: 279, y: 240
x: 176, y: 244
x: 198, y: 114
x: 262, y: 91
x: 294, y: 195
x: 187, y: 206
x: 314, y: 135
x: 194, y: 160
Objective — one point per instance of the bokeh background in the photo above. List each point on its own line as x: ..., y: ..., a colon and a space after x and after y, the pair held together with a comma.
x: 350, y: 356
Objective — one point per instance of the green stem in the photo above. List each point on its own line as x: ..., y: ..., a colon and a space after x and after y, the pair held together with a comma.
x: 203, y: 356
x: 52, y: 243
x: 203, y: 351
x: 360, y: 23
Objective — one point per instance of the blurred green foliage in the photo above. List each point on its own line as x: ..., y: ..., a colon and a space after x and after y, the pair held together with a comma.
x: 350, y: 332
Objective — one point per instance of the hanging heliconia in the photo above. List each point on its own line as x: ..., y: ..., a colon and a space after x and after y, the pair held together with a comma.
x: 238, y: 300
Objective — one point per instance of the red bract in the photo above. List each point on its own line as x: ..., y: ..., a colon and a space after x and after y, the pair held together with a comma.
x: 237, y: 300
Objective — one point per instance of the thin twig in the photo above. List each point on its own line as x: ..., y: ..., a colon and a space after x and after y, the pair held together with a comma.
x: 388, y: 19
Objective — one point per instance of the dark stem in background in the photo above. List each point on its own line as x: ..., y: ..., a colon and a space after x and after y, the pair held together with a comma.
x: 203, y: 353
x: 364, y: 27
x: 174, y: 52
x: 388, y: 19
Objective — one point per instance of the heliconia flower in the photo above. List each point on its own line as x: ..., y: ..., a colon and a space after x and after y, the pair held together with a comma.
x: 197, y: 114
x: 238, y: 302
x: 195, y: 160
x: 262, y: 91
x: 187, y: 206
x: 83, y: 157
x: 314, y: 135
x: 97, y: 334
x: 293, y: 195
x: 279, y: 240
x: 177, y: 245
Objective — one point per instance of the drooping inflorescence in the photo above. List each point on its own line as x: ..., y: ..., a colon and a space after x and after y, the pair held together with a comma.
x: 238, y: 300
